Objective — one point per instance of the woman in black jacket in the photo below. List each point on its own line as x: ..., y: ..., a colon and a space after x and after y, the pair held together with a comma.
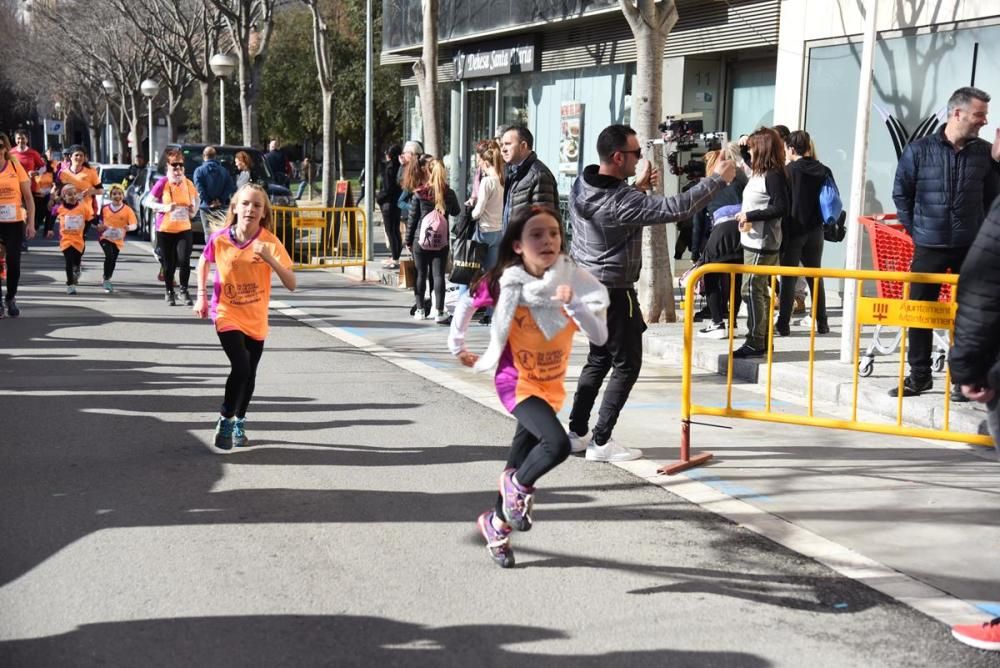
x: 802, y: 228
x: 388, y: 200
x: 434, y: 195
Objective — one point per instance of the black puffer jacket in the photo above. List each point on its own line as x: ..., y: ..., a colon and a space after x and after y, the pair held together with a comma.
x: 531, y: 184
x: 805, y: 178
x: 942, y: 195
x: 974, y: 356
x: 422, y: 203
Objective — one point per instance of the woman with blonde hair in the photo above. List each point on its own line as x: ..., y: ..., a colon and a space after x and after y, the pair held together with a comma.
x: 488, y: 210
x: 433, y: 201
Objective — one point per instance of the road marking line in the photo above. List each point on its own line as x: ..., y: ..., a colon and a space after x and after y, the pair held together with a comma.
x: 920, y: 596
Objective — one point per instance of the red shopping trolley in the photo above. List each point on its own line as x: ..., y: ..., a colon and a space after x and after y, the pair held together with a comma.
x: 892, y: 250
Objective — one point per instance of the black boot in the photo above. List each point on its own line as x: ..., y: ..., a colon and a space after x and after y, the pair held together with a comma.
x: 171, y: 298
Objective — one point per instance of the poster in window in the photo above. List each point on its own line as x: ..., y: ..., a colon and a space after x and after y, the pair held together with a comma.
x: 571, y: 140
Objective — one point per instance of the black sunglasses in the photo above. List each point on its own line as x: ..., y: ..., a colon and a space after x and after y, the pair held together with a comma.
x: 636, y: 152
x: 176, y: 164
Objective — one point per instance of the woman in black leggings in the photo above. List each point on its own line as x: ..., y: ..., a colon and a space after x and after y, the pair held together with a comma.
x: 17, y: 216
x: 178, y: 204
x: 434, y: 195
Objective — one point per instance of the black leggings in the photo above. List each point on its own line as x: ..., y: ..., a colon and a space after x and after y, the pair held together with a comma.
x: 110, y: 258
x: 540, y: 443
x: 244, y: 356
x: 430, y: 266
x: 390, y: 222
x: 12, y: 234
x: 73, y: 257
x: 175, y: 252
x: 717, y: 295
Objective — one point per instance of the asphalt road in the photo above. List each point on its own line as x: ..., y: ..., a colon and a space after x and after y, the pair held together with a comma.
x: 345, y: 536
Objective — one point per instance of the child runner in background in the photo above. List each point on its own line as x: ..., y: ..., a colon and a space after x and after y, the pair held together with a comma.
x: 72, y: 215
x: 118, y: 217
x: 540, y: 299
x: 245, y: 253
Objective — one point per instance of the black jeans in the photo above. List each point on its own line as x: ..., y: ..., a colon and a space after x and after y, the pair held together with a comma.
x: 717, y: 294
x: 175, y: 251
x: 807, y: 250
x: 244, y: 356
x: 390, y: 222
x: 72, y: 257
x: 540, y: 443
x: 110, y: 258
x: 928, y: 261
x: 430, y: 267
x: 12, y: 234
x: 623, y: 353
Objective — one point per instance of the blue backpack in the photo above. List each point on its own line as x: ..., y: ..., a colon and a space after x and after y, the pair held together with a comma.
x: 830, y: 205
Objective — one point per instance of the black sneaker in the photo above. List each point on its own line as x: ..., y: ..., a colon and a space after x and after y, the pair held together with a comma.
x: 485, y: 320
x: 171, y: 298
x: 186, y: 297
x: 12, y: 309
x: 222, y: 442
x: 746, y: 350
x: 782, y: 330
x: 703, y: 314
x: 956, y: 394
x: 912, y: 388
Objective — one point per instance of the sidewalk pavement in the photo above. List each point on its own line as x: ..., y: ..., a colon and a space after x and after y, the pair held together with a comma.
x: 912, y: 518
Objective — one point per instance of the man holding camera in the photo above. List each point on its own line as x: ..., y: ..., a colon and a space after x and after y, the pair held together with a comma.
x: 607, y: 216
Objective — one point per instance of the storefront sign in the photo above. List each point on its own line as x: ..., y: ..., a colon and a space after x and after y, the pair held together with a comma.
x: 500, y: 58
x: 570, y: 142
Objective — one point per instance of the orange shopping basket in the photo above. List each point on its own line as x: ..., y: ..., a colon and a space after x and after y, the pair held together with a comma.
x: 892, y: 250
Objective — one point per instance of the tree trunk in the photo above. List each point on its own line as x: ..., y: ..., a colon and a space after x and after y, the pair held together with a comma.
x: 426, y: 72
x: 95, y: 141
x: 329, y: 142
x: 205, y: 87
x: 651, y: 22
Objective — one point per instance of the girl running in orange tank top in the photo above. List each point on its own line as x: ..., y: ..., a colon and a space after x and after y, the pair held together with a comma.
x: 117, y: 218
x: 540, y: 298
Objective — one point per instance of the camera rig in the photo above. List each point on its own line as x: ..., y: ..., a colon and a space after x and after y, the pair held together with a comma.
x: 685, y: 142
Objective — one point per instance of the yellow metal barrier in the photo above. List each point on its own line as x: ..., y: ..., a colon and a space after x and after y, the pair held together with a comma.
x: 318, y: 237
x: 901, y: 312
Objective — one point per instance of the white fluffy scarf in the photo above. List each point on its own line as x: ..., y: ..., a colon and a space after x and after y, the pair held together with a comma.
x: 519, y: 288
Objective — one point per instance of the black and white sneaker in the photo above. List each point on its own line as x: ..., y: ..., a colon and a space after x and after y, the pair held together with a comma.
x: 716, y: 330
x: 746, y: 350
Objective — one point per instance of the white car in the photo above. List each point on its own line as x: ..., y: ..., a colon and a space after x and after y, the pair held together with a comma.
x: 109, y: 175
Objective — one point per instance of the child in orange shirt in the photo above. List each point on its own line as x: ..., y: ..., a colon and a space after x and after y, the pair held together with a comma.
x: 117, y: 217
x: 72, y: 215
x: 541, y: 298
x: 245, y: 254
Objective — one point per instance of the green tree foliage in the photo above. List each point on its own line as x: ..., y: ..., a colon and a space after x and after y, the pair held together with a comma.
x: 290, y: 106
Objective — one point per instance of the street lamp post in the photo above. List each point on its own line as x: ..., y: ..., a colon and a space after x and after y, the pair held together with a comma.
x: 222, y: 65
x: 150, y: 88
x: 109, y: 88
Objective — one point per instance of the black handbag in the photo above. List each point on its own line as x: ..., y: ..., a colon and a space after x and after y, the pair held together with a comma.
x: 467, y: 257
x: 837, y: 230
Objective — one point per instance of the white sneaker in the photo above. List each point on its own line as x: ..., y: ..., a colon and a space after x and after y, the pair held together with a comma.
x: 714, y: 331
x: 611, y: 452
x: 434, y: 313
x: 578, y: 443
x: 419, y: 314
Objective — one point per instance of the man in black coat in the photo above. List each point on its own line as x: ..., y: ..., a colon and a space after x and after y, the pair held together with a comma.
x: 528, y: 181
x: 944, y: 185
x: 975, y: 353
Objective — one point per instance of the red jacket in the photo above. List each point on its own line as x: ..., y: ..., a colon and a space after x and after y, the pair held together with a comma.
x: 32, y: 161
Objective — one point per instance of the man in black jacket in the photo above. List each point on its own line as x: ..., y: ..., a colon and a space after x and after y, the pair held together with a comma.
x: 945, y: 183
x: 528, y: 181
x: 975, y: 353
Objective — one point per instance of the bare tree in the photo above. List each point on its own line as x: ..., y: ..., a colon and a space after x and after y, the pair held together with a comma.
x: 324, y: 69
x: 426, y: 71
x: 249, y: 24
x: 651, y: 23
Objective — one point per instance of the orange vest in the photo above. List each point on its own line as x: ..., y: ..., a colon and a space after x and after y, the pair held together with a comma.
x: 178, y: 220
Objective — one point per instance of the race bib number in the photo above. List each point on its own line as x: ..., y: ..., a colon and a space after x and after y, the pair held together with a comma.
x: 180, y: 215
x: 72, y: 223
x: 8, y: 213
x: 114, y: 234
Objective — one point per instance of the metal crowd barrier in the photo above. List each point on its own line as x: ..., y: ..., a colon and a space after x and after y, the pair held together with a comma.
x: 904, y: 313
x: 322, y: 237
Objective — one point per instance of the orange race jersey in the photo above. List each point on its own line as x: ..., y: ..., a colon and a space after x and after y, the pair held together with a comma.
x: 178, y: 220
x: 242, y: 284
x: 82, y: 180
x: 531, y: 365
x: 11, y: 202
x: 117, y: 222
x: 72, y: 220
